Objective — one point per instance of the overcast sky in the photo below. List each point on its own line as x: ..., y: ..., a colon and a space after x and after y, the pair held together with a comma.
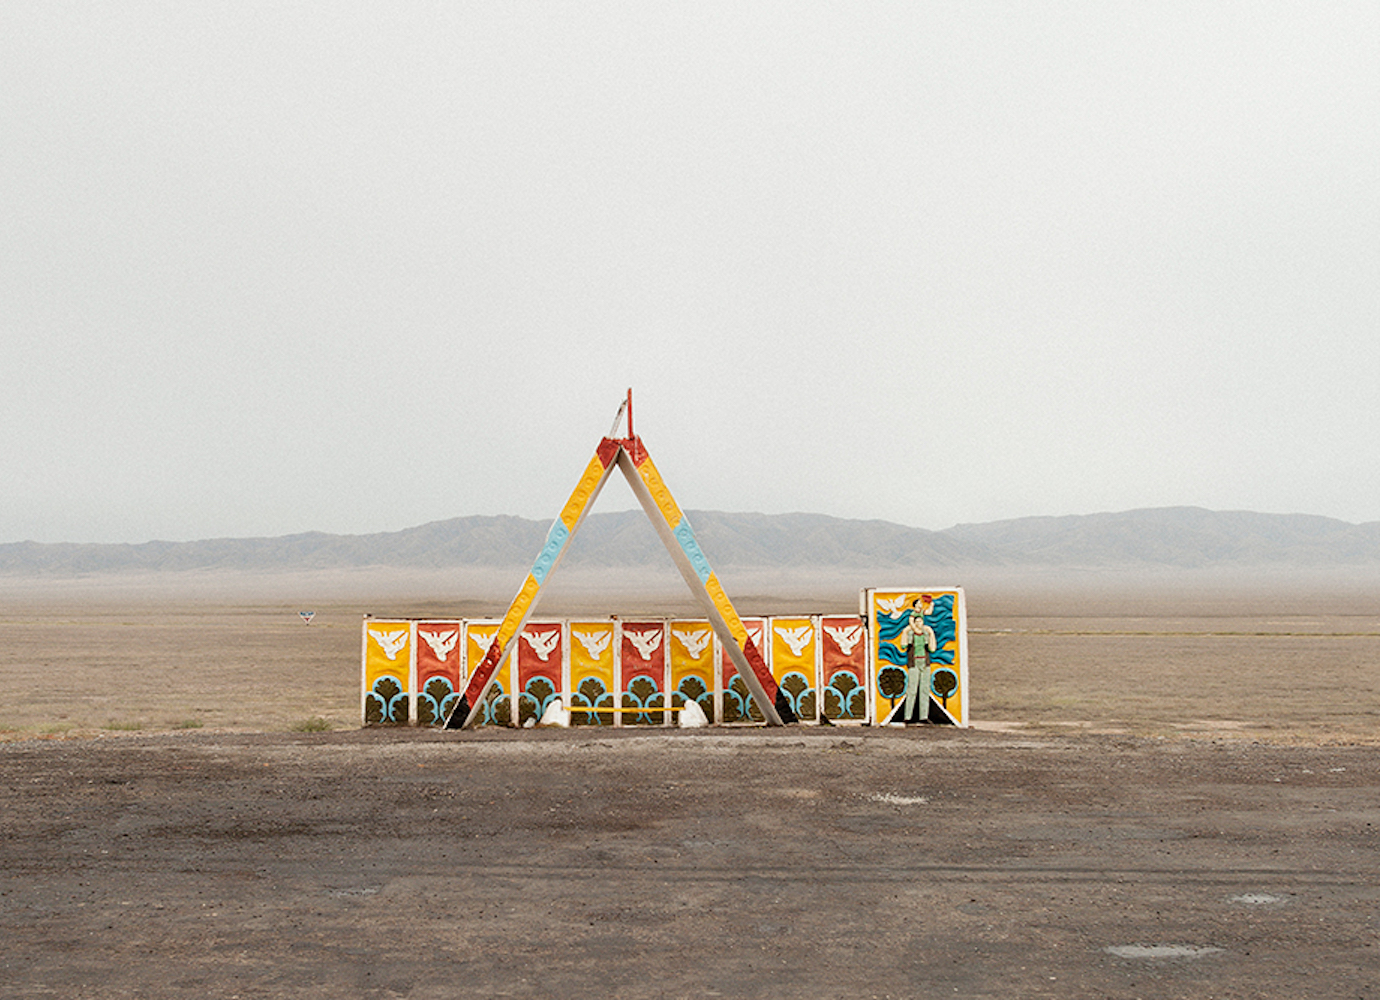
x: 272, y: 268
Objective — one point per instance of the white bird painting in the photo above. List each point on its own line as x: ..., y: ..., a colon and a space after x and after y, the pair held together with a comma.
x: 797, y: 638
x: 755, y: 634
x: 694, y: 642
x: 483, y: 640
x: 542, y: 643
x: 646, y: 642
x: 846, y: 637
x: 391, y: 643
x: 892, y: 606
x: 594, y: 642
x: 441, y: 643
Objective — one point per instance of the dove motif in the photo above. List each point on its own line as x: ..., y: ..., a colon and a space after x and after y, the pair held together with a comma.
x: 647, y: 642
x: 594, y: 642
x: 441, y: 643
x: 846, y: 638
x: 390, y: 642
x: 797, y: 638
x: 892, y: 605
x: 694, y: 642
x: 542, y: 643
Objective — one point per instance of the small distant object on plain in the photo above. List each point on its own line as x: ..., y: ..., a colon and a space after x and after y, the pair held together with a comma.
x: 307, y: 616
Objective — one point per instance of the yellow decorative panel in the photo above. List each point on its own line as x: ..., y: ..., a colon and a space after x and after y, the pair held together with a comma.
x: 591, y: 671
x: 692, y: 662
x: 387, y: 672
x: 793, y: 647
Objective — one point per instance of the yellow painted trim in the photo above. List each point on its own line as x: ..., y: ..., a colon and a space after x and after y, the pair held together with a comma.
x: 584, y: 490
x: 725, y: 608
x: 630, y: 711
x: 517, y: 610
x: 661, y: 496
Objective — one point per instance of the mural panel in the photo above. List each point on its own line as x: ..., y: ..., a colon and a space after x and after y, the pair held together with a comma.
x: 387, y: 671
x: 738, y: 703
x: 794, y: 643
x: 843, y: 642
x: 903, y: 660
x: 591, y: 672
x: 643, y: 656
x: 918, y: 650
x: 497, y: 704
x: 692, y: 663
x: 438, y: 670
x: 540, y: 658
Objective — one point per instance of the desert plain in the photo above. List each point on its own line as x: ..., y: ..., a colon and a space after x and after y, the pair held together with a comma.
x: 1170, y: 788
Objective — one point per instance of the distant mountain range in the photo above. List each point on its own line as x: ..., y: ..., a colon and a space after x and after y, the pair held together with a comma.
x: 1167, y: 537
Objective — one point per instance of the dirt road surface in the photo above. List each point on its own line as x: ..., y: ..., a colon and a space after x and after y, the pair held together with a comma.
x: 721, y: 863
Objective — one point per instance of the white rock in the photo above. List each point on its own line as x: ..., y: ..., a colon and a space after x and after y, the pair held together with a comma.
x: 692, y: 716
x: 556, y: 714
x: 1161, y: 951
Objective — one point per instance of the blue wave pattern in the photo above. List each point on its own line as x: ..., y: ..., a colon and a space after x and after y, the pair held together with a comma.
x: 498, y: 707
x: 739, y: 705
x: 642, y: 692
x: 540, y: 693
x: 435, y: 701
x: 940, y: 618
x: 844, y: 697
x: 591, y: 694
x: 800, y: 693
x: 386, y: 704
x: 692, y: 688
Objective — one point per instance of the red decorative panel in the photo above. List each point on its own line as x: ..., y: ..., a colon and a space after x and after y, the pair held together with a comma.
x: 738, y: 703
x: 438, y: 670
x: 845, y: 667
x: 540, y: 652
x: 644, y: 670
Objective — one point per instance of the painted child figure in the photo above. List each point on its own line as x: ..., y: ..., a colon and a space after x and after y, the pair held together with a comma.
x: 919, y: 642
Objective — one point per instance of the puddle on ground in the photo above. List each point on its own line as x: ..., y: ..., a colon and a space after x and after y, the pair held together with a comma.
x: 1159, y: 951
x: 1259, y: 899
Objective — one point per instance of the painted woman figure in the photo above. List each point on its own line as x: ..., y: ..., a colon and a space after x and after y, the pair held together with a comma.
x: 918, y: 640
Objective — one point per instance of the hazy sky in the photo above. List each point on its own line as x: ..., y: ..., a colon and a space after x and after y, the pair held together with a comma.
x: 353, y: 267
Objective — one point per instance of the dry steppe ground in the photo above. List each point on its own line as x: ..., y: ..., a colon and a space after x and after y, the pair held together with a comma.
x: 1168, y: 793
x: 1277, y: 663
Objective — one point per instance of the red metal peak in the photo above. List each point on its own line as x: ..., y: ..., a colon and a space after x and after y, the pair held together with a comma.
x: 608, y: 451
x: 635, y: 449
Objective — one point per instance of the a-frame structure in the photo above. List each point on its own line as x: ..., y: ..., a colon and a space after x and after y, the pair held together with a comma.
x: 631, y: 458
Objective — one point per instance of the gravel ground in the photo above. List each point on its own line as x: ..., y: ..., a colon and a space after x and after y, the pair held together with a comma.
x: 729, y: 863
